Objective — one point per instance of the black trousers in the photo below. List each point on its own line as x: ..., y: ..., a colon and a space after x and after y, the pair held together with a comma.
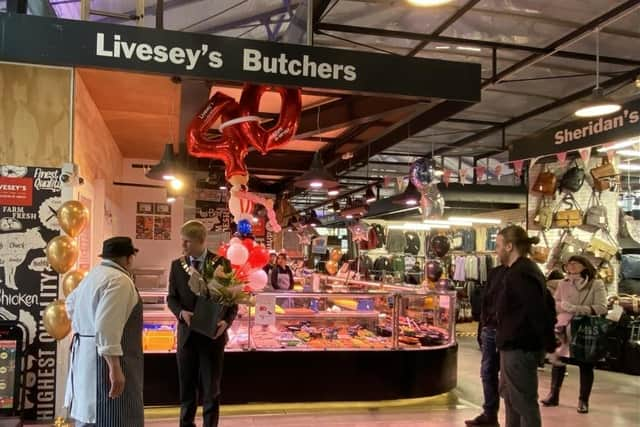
x: 200, y: 362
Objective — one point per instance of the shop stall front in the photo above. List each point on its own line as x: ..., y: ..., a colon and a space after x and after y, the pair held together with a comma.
x: 119, y: 94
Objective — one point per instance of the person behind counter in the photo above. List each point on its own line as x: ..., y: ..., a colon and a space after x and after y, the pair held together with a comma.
x: 104, y: 386
x: 273, y: 257
x: 200, y: 358
x: 281, y: 275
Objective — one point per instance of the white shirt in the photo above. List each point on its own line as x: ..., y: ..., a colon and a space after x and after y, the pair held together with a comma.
x: 99, y: 308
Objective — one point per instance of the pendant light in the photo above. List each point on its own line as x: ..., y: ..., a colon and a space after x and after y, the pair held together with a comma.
x: 370, y: 196
x: 317, y: 176
x: 598, y: 105
x: 410, y: 196
x: 165, y: 169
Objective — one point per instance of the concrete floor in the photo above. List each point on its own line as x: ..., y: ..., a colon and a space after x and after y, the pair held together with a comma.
x: 615, y: 402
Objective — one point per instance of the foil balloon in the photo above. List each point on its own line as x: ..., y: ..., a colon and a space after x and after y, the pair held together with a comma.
x: 421, y: 173
x: 331, y: 267
x: 359, y: 232
x: 287, y: 123
x: 336, y: 254
x: 71, y: 280
x: 55, y: 320
x: 244, y: 227
x: 62, y: 253
x: 432, y: 203
x: 433, y: 271
x: 73, y: 217
x: 440, y: 245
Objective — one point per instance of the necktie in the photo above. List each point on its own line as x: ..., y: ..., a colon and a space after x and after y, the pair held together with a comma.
x: 195, y: 263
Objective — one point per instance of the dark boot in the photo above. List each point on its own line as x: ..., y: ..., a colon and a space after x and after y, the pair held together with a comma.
x: 557, y: 377
x: 483, y: 420
x: 583, y: 407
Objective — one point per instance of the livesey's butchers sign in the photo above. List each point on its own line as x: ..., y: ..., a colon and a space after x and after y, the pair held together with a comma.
x: 580, y: 134
x: 29, y: 199
x: 25, y: 38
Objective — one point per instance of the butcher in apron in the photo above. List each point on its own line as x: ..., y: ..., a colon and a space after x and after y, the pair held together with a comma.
x: 104, y: 385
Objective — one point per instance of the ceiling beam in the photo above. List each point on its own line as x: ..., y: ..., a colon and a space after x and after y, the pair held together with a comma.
x: 256, y: 18
x: 446, y: 24
x: 472, y: 42
x: 621, y: 79
x: 296, y: 32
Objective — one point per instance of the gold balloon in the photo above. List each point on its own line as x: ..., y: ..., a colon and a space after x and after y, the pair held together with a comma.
x: 336, y: 254
x: 331, y: 267
x: 73, y: 217
x: 62, y: 253
x: 55, y: 319
x: 71, y: 280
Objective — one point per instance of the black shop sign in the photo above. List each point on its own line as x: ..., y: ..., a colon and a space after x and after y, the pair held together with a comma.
x: 581, y: 133
x: 33, y: 39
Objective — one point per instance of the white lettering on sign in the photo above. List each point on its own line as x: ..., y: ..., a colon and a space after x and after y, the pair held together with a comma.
x: 626, y: 117
x: 253, y: 60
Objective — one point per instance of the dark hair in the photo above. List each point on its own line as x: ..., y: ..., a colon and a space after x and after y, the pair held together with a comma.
x: 282, y: 255
x: 589, y: 270
x: 555, y: 275
x: 519, y: 239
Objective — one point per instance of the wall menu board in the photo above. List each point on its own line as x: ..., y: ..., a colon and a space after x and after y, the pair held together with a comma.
x: 29, y: 200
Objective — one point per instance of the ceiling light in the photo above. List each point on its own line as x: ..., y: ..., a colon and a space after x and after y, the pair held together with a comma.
x: 469, y: 48
x: 628, y: 153
x: 333, y: 192
x: 172, y: 196
x: 442, y: 47
x: 255, y: 220
x: 598, y: 105
x: 176, y: 184
x: 428, y: 3
x: 632, y: 167
x: 317, y: 176
x: 223, y: 187
x: 171, y: 199
x: 618, y: 145
x: 370, y: 196
x: 164, y: 170
x: 409, y: 197
x: 349, y: 216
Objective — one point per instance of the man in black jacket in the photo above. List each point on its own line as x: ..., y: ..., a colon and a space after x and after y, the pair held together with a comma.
x: 490, y: 365
x: 521, y: 327
x: 200, y: 358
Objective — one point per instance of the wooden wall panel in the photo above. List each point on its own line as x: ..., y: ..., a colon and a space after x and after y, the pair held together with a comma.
x: 94, y: 149
x: 35, y: 127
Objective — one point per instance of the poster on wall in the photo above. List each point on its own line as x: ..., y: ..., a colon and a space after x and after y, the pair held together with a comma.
x: 144, y: 227
x: 84, y: 239
x: 29, y: 200
x: 214, y: 215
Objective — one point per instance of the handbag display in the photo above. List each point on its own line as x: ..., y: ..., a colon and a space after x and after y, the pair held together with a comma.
x: 546, y: 183
x: 573, y: 179
x: 603, y: 175
x: 595, y: 217
x: 570, y: 217
x: 605, y: 249
x: 539, y: 253
x: 544, y: 215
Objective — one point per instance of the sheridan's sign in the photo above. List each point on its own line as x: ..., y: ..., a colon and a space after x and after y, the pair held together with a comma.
x: 41, y: 40
x: 580, y: 134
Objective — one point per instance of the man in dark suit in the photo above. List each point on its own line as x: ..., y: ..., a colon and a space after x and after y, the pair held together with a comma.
x: 199, y: 356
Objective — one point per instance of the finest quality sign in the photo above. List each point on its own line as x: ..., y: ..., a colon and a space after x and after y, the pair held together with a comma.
x: 32, y: 39
x: 580, y: 134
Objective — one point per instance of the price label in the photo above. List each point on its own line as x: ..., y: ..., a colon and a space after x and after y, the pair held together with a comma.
x: 265, y: 310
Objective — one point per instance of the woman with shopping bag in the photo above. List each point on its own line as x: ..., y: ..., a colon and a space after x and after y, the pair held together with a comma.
x: 578, y: 297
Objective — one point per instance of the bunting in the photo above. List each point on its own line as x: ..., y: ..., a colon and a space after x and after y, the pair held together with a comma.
x: 498, y: 171
x: 562, y: 158
x: 585, y: 154
x: 480, y: 172
x: 517, y: 167
x: 446, y: 177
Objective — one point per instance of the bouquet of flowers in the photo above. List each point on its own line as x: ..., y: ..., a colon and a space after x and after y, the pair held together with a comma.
x: 221, y: 285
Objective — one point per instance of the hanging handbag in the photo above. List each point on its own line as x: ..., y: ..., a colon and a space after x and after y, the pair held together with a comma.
x: 603, y: 248
x: 546, y: 183
x: 570, y: 217
x: 573, y: 179
x: 595, y: 217
x: 544, y: 215
x: 603, y: 175
x: 540, y: 253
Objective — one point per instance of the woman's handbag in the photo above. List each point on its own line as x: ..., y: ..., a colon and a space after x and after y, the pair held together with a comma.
x: 539, y: 253
x: 546, y: 183
x: 544, y: 215
x: 573, y: 179
x: 570, y: 217
x: 595, y: 217
x: 603, y: 175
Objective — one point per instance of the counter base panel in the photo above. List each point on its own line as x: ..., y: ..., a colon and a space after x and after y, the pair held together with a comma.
x: 314, y: 376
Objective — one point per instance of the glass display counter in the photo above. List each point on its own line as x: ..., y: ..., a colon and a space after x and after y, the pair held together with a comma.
x: 379, y: 342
